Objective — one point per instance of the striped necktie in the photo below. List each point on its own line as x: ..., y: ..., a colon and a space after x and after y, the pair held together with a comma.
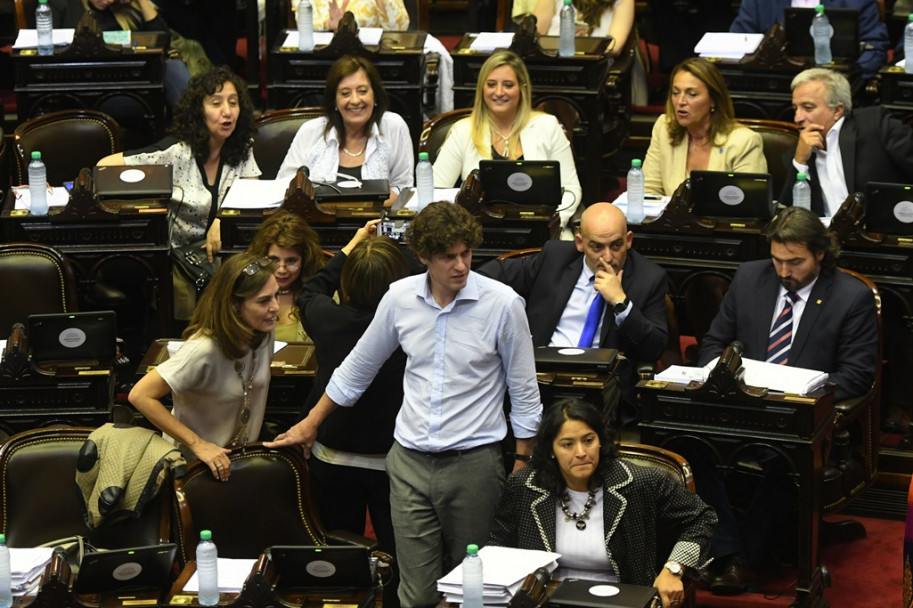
x: 781, y: 334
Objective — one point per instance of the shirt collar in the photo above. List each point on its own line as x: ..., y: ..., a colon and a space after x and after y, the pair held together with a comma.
x: 469, y: 292
x: 334, y: 136
x: 832, y: 139
x: 804, y: 293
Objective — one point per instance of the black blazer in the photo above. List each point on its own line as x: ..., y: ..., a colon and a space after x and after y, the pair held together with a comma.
x: 546, y: 281
x: 875, y: 147
x: 367, y: 426
x: 640, y: 504
x: 837, y: 332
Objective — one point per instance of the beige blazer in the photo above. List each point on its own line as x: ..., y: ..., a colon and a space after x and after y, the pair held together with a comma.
x: 665, y: 164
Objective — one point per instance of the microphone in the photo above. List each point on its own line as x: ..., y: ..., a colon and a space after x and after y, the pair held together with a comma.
x: 306, y: 170
x: 17, y: 335
x: 532, y: 593
x: 737, y: 347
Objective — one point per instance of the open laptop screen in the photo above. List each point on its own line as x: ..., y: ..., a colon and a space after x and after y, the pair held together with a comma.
x: 521, y: 182
x: 889, y: 208
x: 737, y: 195
x: 797, y: 23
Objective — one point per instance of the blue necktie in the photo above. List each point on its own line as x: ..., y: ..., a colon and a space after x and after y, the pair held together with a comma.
x: 781, y: 334
x: 592, y: 321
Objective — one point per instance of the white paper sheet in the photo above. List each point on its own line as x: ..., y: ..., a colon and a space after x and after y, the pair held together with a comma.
x: 58, y: 196
x: 232, y: 574
x: 489, y: 41
x: 28, y: 39
x: 255, y: 194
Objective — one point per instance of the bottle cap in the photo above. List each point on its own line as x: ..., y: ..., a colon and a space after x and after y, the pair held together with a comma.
x: 635, y: 162
x: 36, y: 155
x: 910, y: 17
x: 474, y: 549
x: 205, y: 535
x: 819, y: 9
x: 2, y: 538
x: 802, y: 175
x: 423, y: 156
x: 566, y: 2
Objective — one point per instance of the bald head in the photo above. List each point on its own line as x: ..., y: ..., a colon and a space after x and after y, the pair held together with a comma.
x: 604, y: 236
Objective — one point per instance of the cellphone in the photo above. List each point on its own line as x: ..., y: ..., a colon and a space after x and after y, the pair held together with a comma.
x: 394, y: 229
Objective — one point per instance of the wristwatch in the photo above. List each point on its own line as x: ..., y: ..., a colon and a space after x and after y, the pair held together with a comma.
x: 622, y: 306
x: 674, y: 567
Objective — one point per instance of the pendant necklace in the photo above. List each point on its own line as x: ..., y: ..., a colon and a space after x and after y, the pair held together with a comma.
x: 356, y: 154
x: 583, y: 515
x: 246, y: 386
x: 283, y: 292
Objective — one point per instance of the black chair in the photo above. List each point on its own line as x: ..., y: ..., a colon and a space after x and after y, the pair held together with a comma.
x: 36, y: 279
x: 275, y: 131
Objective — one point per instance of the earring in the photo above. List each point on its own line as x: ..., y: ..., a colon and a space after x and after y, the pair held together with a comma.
x: 713, y: 109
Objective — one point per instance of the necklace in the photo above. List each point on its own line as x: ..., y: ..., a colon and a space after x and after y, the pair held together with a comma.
x: 506, y: 141
x: 356, y: 154
x: 283, y: 292
x: 583, y: 515
x: 240, y: 437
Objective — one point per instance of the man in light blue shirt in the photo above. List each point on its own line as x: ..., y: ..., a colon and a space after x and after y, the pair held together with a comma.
x: 467, y: 341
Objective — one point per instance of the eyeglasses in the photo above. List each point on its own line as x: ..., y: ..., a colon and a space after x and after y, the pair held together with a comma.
x: 290, y: 264
x: 251, y: 269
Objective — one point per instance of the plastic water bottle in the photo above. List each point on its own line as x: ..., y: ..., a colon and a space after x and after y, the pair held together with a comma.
x: 305, y: 26
x: 567, y: 30
x: 908, y: 45
x: 6, y: 579
x: 44, y: 23
x: 821, y: 34
x: 472, y: 578
x: 38, y: 185
x: 207, y: 570
x: 635, y: 192
x: 424, y: 181
x: 802, y: 192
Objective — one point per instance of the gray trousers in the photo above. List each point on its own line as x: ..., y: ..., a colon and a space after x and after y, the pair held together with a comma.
x: 439, y: 505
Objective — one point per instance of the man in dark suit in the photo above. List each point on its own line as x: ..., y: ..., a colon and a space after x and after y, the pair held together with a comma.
x: 795, y: 309
x: 842, y: 149
x: 758, y: 16
x: 559, y: 290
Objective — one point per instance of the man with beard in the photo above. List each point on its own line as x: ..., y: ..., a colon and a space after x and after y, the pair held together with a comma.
x: 561, y: 286
x: 795, y: 309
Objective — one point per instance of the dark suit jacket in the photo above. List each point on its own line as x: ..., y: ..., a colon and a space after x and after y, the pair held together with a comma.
x: 641, y: 506
x: 875, y: 146
x: 758, y: 16
x: 837, y: 332
x: 546, y: 281
x: 367, y: 426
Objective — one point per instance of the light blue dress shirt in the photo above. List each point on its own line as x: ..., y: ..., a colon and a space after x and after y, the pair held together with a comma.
x: 461, y: 358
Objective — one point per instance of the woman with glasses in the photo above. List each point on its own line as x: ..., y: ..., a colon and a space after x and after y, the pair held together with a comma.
x: 219, y: 378
x: 293, y: 246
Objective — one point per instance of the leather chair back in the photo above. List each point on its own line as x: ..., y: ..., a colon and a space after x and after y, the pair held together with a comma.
x: 39, y: 502
x: 779, y: 137
x: 25, y: 14
x: 68, y: 141
x: 36, y: 279
x: 266, y: 502
x: 275, y: 131
x: 434, y: 131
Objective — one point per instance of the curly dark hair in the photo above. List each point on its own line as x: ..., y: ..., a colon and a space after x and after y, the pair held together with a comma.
x: 548, y: 473
x: 291, y: 231
x: 189, y: 125
x: 798, y: 225
x: 439, y: 226
x: 342, y: 68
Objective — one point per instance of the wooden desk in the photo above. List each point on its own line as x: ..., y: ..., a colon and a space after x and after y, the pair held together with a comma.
x: 579, y: 82
x: 298, y: 79
x: 724, y: 416
x: 128, y: 239
x: 125, y: 83
x: 291, y: 378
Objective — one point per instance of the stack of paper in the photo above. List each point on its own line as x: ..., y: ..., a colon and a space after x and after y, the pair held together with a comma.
x: 503, y: 571
x: 727, y: 45
x: 783, y: 378
x: 27, y: 566
x: 233, y: 574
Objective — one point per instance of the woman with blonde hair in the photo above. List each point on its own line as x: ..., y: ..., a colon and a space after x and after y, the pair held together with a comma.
x: 293, y: 246
x: 503, y: 125
x: 219, y: 378
x: 699, y: 131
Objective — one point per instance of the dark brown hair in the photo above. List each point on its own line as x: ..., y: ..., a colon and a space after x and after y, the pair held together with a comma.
x: 722, y: 118
x: 372, y: 265
x: 439, y: 226
x: 798, y: 225
x: 344, y: 67
x: 287, y: 229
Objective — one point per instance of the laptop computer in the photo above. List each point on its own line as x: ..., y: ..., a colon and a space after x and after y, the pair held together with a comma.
x: 889, y: 208
x: 121, y: 569
x: 364, y: 192
x: 797, y: 23
x: 321, y: 567
x: 583, y: 593
x: 81, y: 338
x: 736, y: 195
x: 135, y: 182
x: 521, y: 182
x: 561, y: 358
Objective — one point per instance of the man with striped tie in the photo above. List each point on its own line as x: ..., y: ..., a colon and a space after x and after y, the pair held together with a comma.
x: 793, y: 309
